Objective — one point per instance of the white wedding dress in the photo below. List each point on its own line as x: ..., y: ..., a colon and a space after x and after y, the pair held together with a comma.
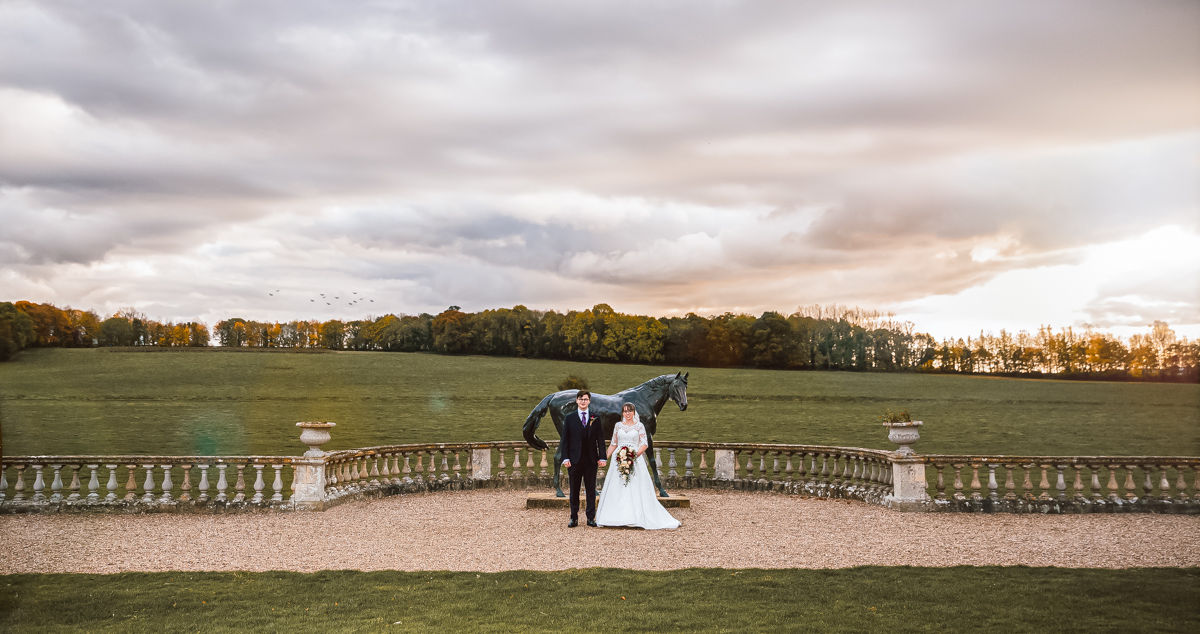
x: 633, y: 503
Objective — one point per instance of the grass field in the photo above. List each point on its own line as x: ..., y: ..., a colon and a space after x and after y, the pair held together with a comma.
x: 206, y: 402
x: 850, y: 600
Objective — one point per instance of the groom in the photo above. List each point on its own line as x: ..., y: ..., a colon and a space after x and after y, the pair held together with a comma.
x: 583, y: 451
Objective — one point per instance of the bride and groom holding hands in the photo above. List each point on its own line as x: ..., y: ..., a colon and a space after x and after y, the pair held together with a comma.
x: 626, y: 499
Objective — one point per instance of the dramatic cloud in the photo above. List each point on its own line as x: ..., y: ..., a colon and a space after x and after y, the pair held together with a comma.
x: 968, y: 166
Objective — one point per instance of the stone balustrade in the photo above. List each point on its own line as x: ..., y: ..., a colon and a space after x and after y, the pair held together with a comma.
x: 31, y: 483
x: 897, y: 479
x: 1064, y: 484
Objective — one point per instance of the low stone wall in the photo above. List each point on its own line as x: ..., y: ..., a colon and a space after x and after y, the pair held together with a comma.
x: 900, y: 480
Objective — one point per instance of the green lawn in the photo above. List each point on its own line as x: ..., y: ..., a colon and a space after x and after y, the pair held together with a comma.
x: 228, y: 402
x: 964, y: 599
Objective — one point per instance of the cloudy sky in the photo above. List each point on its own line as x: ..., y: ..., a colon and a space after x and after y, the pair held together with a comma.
x: 966, y: 165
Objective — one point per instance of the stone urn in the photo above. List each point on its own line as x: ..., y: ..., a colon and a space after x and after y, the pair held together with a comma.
x: 904, y: 433
x: 314, y: 434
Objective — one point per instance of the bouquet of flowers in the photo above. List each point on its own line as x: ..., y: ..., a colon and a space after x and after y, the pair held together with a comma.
x: 624, y: 459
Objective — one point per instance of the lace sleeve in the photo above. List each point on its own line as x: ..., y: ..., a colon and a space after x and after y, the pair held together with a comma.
x: 641, y: 435
x: 613, y: 442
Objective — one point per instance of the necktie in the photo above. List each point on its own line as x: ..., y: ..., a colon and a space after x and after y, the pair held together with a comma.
x: 585, y: 419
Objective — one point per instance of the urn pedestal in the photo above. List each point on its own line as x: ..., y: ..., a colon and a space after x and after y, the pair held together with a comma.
x: 314, y: 434
x: 309, y: 482
x: 908, y: 469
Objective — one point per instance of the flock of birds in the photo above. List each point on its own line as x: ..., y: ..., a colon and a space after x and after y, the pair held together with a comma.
x: 329, y: 298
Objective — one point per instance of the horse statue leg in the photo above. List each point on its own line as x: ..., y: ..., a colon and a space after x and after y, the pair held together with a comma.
x: 558, y: 492
x: 654, y: 466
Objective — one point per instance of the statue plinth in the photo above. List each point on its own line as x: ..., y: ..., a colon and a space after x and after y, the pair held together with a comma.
x: 547, y: 500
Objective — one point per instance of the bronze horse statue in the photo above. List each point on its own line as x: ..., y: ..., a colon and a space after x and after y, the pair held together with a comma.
x: 648, y: 398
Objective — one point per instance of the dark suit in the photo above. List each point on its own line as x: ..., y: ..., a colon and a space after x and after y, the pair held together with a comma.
x: 584, y: 447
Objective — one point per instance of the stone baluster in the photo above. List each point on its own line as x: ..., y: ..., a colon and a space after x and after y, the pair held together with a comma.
x: 384, y: 471
x: 458, y: 464
x: 185, y: 489
x: 19, y: 485
x: 167, y: 486
x: 1060, y: 483
x: 407, y: 470
x: 130, y: 482
x: 1130, y: 495
x: 516, y: 464
x: 543, y: 465
x: 688, y: 471
x: 800, y: 471
x: 1044, y: 484
x: 1097, y: 491
x: 941, y: 482
x: 111, y: 485
x: 1078, y: 485
x: 1112, y: 484
x: 789, y: 472
x: 1147, y: 485
x: 3, y: 482
x: 671, y: 472
x: 93, y: 495
x: 762, y: 465
x: 56, y: 484
x: 1180, y: 483
x: 74, y: 486
x: 432, y: 465
x: 702, y: 468
x: 976, y: 487
x: 148, y: 484
x: 1010, y: 485
x: 445, y: 468
x: 259, y: 485
x: 203, y: 484
x: 958, y: 482
x: 1027, y: 481
x: 1164, y: 485
x: 374, y: 475
x: 222, y: 483
x: 658, y: 463
x: 240, y: 486
x: 825, y: 467
x: 277, y: 483
x: 529, y: 472
x: 39, y: 484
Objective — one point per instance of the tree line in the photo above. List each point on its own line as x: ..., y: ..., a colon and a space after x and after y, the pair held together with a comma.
x: 812, y: 338
x: 30, y: 325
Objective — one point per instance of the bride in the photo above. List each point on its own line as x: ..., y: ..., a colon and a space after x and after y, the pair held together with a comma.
x: 630, y: 500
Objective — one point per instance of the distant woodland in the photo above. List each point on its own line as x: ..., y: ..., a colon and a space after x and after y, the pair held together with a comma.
x: 813, y: 338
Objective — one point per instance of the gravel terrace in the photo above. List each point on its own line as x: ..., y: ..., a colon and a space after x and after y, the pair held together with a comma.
x: 491, y: 530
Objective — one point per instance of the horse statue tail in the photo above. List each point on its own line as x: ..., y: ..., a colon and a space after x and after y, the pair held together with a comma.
x: 531, y: 423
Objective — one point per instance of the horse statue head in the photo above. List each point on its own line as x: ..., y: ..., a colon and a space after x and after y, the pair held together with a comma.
x: 678, y: 390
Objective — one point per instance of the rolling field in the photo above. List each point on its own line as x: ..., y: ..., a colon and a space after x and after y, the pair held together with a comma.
x: 203, y: 402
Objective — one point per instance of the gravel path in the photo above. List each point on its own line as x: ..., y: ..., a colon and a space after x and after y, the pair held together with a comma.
x: 492, y: 531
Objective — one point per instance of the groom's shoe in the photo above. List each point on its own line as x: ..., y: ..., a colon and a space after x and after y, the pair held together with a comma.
x: 592, y: 523
x: 573, y: 523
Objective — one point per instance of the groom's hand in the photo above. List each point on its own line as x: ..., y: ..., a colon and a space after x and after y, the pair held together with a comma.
x: 601, y: 463
x: 567, y: 463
